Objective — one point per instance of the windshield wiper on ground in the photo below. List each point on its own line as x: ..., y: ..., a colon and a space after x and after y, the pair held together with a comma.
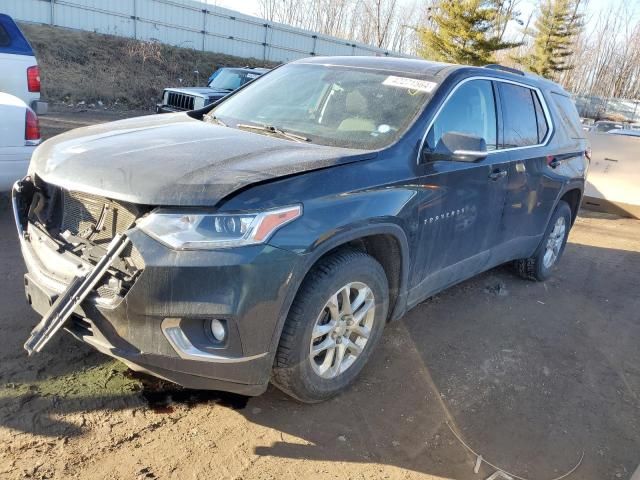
x: 273, y: 129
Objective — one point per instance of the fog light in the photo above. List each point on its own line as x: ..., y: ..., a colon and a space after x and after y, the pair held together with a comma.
x: 218, y: 330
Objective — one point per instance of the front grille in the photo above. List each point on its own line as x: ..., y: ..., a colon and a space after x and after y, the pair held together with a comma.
x: 95, y: 218
x: 180, y: 101
x: 98, y: 219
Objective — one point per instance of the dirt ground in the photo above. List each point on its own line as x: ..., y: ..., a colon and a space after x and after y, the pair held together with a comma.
x: 530, y: 374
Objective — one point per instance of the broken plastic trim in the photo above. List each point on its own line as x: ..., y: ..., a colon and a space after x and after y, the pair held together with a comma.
x: 17, y: 188
x: 75, y: 294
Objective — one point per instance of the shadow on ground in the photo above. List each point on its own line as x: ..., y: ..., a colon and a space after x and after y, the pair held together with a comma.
x: 529, y: 374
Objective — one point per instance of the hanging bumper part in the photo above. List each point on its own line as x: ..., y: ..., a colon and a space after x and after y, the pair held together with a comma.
x: 71, y: 298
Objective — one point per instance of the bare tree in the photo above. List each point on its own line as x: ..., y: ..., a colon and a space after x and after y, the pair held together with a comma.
x: 380, y: 15
x: 506, y: 12
x: 384, y: 23
x: 607, y: 60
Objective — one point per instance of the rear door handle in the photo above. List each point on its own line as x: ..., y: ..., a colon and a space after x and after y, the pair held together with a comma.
x: 497, y: 174
x: 553, y: 162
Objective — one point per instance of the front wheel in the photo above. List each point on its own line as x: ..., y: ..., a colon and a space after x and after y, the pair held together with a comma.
x: 334, y: 323
x: 540, y: 265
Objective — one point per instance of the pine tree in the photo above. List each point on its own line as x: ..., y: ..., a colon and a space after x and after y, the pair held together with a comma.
x: 463, y: 31
x: 558, y: 24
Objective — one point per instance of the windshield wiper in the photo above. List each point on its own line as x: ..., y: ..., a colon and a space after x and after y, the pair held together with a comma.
x: 273, y: 129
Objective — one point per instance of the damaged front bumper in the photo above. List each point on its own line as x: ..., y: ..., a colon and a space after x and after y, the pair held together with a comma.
x: 64, y: 306
x: 160, y: 323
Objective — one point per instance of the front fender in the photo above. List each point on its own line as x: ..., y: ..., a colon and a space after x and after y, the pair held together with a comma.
x: 356, y: 232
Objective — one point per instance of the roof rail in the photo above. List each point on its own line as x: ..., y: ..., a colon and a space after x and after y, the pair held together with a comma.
x: 495, y: 66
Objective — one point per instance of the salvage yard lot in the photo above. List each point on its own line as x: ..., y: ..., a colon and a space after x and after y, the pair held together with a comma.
x: 530, y: 374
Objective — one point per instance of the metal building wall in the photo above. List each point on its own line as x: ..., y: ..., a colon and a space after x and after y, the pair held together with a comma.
x: 186, y: 23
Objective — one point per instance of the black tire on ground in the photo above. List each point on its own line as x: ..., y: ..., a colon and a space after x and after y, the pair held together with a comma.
x: 534, y: 268
x: 292, y: 371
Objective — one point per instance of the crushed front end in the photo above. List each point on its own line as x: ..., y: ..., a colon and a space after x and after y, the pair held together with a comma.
x: 153, y: 306
x: 64, y: 234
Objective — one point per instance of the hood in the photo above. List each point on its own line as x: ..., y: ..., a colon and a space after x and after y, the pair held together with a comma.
x: 200, y: 91
x: 174, y: 160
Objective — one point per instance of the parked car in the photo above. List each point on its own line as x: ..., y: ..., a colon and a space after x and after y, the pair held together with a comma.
x: 19, y: 135
x: 605, y: 126
x: 613, y: 185
x: 20, y: 72
x: 272, y: 236
x: 222, y: 82
x: 628, y: 132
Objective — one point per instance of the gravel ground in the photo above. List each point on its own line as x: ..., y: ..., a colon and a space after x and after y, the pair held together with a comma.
x: 530, y: 374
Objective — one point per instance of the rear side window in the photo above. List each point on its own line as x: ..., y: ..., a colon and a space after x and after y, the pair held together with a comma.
x: 568, y: 115
x: 12, y: 40
x: 5, y: 40
x: 543, y: 127
x: 471, y: 110
x: 519, y: 116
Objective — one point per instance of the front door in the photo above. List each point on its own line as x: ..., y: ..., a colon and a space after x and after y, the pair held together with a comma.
x: 462, y: 202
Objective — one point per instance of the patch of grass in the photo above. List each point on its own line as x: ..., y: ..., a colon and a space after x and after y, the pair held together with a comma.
x: 107, y: 379
x: 83, y: 66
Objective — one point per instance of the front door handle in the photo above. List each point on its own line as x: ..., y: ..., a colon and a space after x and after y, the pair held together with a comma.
x: 497, y: 174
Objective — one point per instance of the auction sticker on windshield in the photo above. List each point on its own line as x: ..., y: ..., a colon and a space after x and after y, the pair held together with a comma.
x: 410, y: 83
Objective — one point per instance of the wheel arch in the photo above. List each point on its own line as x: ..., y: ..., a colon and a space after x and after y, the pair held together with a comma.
x: 387, y: 243
x: 573, y: 196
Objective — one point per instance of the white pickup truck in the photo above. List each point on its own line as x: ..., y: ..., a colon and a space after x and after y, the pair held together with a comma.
x: 19, y: 71
x: 19, y: 136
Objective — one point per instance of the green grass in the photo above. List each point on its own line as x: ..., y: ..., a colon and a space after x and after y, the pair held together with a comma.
x: 107, y: 379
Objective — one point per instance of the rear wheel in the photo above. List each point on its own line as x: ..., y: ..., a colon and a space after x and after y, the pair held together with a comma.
x: 334, y: 323
x: 541, y: 264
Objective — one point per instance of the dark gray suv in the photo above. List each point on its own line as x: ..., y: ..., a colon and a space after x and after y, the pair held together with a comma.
x: 271, y: 236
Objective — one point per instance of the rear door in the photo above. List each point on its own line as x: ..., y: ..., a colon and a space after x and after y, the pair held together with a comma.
x: 533, y: 184
x: 462, y: 202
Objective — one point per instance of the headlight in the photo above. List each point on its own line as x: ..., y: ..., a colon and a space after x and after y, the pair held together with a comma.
x: 187, y: 231
x: 198, y: 103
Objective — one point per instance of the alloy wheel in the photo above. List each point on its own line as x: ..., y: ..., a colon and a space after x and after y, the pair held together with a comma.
x: 342, y: 330
x: 554, y: 242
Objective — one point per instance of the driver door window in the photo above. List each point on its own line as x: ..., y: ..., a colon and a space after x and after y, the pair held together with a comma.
x: 470, y: 110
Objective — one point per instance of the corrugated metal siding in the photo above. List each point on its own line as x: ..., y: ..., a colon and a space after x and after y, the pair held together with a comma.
x: 186, y: 23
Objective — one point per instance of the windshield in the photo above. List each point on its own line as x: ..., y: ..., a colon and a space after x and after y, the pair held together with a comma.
x: 226, y: 79
x: 338, y: 106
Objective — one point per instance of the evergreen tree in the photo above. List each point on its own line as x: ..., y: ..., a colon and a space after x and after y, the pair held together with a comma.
x: 558, y: 24
x: 463, y: 31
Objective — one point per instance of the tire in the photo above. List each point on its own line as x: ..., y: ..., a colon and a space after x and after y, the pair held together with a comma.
x: 306, y: 377
x: 538, y: 267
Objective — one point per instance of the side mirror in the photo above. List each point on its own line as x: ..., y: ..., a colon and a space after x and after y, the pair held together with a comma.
x: 459, y: 147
